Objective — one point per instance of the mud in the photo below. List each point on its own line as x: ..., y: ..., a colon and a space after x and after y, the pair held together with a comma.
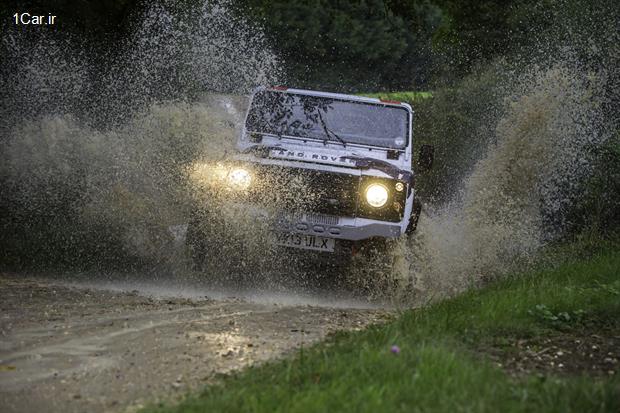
x: 591, y: 352
x: 70, y: 348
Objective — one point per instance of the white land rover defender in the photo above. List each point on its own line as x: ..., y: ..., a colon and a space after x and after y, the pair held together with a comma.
x: 336, y: 169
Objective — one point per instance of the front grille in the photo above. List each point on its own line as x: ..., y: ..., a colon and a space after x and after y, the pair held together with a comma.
x: 322, y: 195
x: 322, y: 219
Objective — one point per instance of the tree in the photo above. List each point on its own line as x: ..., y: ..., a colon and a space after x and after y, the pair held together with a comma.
x: 364, y: 45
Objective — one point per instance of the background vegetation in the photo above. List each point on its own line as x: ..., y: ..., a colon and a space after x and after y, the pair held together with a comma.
x: 362, y: 45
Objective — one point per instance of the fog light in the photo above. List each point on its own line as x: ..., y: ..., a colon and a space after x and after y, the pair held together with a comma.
x: 376, y: 195
x: 239, y: 178
x: 399, y: 186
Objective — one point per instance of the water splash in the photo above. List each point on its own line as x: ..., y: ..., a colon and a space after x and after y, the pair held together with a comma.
x: 171, y: 53
x: 96, y: 145
x: 516, y: 198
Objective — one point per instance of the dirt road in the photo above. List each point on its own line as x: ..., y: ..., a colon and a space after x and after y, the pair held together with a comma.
x: 69, y: 348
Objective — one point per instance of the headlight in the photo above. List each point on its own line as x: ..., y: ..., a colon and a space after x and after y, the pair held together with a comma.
x: 239, y: 178
x: 376, y: 195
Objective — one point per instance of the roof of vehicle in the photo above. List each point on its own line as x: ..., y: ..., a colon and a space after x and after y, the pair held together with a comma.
x: 340, y: 96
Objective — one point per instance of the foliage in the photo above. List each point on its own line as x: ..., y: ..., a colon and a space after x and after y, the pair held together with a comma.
x: 357, y: 371
x: 407, y: 97
x: 369, y: 44
x: 559, y: 320
x: 344, y: 45
x: 598, y: 210
x: 476, y: 31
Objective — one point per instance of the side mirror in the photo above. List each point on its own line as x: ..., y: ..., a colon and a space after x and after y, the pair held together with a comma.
x: 426, y: 158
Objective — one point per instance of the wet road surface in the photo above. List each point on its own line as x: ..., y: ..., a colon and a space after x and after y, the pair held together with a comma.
x: 75, y: 348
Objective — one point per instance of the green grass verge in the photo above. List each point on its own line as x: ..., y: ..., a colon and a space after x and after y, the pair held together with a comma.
x: 407, y: 97
x: 440, y: 367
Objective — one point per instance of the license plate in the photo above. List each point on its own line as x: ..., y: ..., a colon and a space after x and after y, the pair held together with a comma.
x: 305, y: 241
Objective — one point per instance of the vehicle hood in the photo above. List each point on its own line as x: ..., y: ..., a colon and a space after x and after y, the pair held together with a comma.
x: 349, y: 157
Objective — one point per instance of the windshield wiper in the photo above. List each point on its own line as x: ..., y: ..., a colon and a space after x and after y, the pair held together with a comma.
x: 329, y: 132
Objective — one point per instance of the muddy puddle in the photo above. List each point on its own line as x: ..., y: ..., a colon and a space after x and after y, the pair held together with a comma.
x: 116, y: 347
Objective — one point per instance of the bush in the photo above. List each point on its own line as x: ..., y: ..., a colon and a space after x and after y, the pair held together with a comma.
x: 598, y: 210
x: 459, y: 122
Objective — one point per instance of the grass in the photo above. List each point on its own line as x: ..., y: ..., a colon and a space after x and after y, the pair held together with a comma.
x: 408, y: 97
x: 441, y: 366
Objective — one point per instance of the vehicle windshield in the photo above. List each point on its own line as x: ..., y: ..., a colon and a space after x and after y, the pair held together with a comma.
x: 281, y: 113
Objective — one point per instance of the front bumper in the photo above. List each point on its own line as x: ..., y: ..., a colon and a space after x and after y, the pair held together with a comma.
x: 344, y: 228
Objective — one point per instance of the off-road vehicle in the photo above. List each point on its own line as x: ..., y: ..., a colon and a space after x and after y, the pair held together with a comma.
x: 331, y: 172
